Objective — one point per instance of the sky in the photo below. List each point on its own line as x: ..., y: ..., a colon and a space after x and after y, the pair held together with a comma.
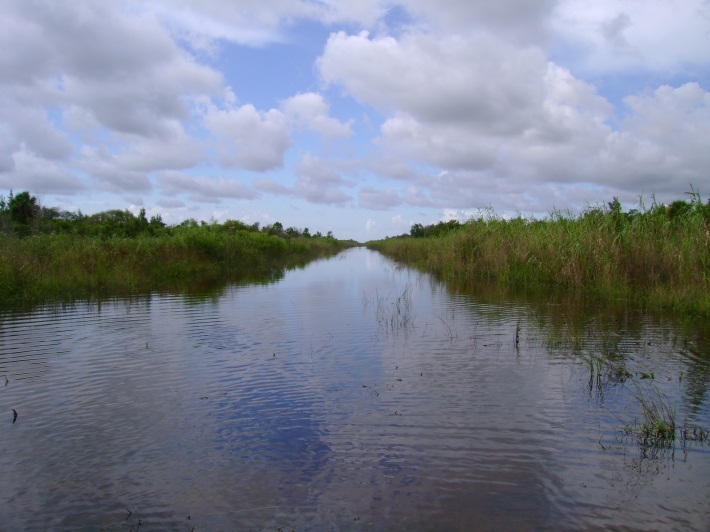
x: 360, y: 118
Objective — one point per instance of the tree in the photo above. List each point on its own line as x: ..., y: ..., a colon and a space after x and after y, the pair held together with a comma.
x: 417, y: 231
x: 156, y: 222
x: 23, y: 208
x: 292, y: 232
x: 276, y: 229
x: 4, y: 215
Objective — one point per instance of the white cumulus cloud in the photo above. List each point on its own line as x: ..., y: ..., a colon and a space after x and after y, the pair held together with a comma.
x: 249, y: 139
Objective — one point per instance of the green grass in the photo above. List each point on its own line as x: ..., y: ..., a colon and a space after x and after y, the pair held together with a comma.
x: 658, y: 256
x: 63, y: 267
x: 657, y: 426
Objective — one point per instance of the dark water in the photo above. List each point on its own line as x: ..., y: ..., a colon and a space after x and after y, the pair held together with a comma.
x: 352, y: 394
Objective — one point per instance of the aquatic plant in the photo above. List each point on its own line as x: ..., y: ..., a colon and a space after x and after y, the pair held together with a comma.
x: 658, y: 256
x: 595, y: 344
x: 657, y: 426
x: 394, y: 315
x: 595, y: 347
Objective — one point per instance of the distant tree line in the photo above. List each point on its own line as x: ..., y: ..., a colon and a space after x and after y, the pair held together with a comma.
x: 431, y: 231
x: 21, y: 214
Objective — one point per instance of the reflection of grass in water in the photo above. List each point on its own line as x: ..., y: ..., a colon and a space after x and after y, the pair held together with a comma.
x: 693, y: 434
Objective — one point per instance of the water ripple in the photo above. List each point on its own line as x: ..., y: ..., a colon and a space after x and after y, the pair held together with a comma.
x: 350, y: 392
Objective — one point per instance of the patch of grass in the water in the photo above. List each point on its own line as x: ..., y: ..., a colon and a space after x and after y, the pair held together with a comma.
x: 657, y: 426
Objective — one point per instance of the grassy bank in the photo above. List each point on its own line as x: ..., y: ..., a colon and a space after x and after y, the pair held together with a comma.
x: 658, y: 256
x: 65, y: 266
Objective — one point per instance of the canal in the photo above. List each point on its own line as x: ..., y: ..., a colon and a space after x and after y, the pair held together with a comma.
x: 354, y: 393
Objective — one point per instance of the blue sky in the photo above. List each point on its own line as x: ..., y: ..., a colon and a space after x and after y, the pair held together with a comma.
x: 360, y: 118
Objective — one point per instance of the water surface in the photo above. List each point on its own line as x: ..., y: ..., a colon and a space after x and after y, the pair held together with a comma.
x: 350, y: 394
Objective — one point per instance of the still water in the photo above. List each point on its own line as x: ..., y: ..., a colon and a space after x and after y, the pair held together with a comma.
x: 352, y: 394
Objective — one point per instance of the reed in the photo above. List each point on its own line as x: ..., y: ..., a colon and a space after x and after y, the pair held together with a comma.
x: 659, y: 256
x: 46, y: 267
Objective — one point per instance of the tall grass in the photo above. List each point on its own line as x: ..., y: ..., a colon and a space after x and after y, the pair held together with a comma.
x: 658, y: 256
x: 63, y: 266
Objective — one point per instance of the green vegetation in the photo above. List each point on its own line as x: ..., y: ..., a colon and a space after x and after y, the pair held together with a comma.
x: 48, y: 254
x: 657, y: 427
x: 602, y: 343
x: 658, y: 256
